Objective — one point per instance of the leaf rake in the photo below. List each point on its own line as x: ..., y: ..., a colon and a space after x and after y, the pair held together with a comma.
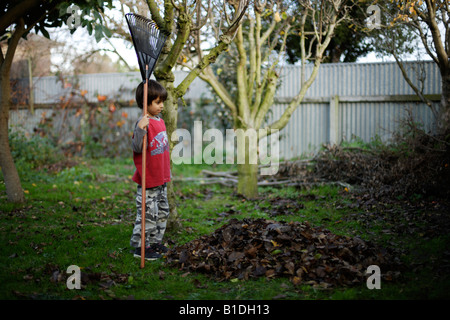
x: 148, y: 42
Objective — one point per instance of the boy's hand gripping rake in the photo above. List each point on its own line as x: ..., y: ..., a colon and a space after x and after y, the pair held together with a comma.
x: 148, y: 42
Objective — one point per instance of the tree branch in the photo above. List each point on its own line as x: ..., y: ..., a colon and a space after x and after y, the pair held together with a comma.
x: 219, y: 89
x: 411, y: 84
x: 423, y: 38
x: 184, y: 28
x: 242, y: 104
x: 16, y: 35
x: 252, y: 60
x: 154, y: 11
x: 436, y: 35
x: 18, y: 11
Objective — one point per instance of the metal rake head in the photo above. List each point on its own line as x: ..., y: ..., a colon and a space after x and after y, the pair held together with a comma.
x: 148, y: 42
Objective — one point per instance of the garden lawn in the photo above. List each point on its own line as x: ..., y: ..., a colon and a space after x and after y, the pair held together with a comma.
x: 82, y: 214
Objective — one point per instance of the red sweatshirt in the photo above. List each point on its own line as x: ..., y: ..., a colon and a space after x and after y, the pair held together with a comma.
x: 158, y: 155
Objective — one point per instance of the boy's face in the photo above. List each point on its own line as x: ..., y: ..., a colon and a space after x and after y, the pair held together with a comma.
x: 155, y: 107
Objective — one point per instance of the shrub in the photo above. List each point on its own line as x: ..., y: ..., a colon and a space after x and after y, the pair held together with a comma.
x: 33, y: 151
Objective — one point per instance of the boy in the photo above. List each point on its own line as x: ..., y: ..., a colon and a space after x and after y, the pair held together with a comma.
x: 157, y: 172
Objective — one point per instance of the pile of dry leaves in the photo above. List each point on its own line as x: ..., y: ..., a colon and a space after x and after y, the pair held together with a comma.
x: 417, y: 163
x: 251, y: 248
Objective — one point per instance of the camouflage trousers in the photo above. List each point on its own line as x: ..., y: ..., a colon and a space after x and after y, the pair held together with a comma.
x: 156, y: 215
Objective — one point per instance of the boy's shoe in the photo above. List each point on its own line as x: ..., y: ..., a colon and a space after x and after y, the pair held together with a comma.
x: 150, y: 254
x: 158, y: 247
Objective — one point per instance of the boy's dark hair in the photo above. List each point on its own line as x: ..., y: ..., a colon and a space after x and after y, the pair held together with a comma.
x: 155, y: 91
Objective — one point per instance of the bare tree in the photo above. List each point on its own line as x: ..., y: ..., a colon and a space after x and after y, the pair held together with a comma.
x: 259, y: 50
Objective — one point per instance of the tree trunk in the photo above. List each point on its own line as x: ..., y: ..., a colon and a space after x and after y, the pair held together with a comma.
x: 170, y: 115
x: 247, y: 169
x: 12, y: 181
x: 13, y: 186
x: 248, y: 180
x: 444, y: 119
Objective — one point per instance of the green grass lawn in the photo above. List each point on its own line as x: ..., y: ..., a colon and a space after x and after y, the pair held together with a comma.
x: 83, y: 216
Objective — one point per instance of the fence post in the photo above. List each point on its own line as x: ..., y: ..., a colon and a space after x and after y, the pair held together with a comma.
x: 334, y: 120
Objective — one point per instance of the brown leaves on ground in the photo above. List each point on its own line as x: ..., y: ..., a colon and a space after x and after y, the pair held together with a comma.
x: 252, y: 248
x: 413, y: 163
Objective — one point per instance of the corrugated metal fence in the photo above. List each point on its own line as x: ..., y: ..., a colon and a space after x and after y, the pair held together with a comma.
x: 346, y: 100
x: 350, y: 100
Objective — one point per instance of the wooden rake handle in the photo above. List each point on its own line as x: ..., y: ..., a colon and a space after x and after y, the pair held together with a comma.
x: 144, y: 169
